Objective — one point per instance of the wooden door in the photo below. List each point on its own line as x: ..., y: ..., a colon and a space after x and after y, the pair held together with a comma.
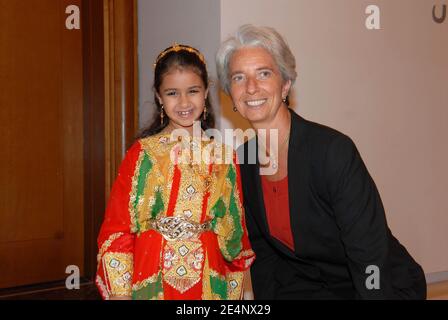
x: 41, y: 142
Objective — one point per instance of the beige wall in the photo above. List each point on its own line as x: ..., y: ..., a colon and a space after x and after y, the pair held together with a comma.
x: 387, y: 89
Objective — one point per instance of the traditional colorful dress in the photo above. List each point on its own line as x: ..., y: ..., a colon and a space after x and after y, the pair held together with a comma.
x: 174, y: 228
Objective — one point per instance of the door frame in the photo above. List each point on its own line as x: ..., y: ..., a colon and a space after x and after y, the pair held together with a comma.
x: 110, y: 33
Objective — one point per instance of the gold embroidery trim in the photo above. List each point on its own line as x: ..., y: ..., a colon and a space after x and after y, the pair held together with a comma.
x: 225, y: 225
x: 183, y: 263
x: 118, y: 269
x: 102, y: 287
x: 219, y: 175
x: 155, y: 181
x: 133, y: 194
x: 206, y: 285
x: 234, y: 285
x: 161, y: 176
x: 141, y: 284
x: 244, y: 255
x: 107, y: 244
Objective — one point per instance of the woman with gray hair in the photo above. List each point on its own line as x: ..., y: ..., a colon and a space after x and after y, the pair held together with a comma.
x: 316, y: 222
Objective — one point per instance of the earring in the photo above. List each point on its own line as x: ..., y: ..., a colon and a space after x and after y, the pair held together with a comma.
x: 205, y: 113
x: 235, y: 109
x: 284, y: 100
x: 162, y: 115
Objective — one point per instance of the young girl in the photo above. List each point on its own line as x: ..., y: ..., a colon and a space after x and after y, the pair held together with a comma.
x: 174, y: 228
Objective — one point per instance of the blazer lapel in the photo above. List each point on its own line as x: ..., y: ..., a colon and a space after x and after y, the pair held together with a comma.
x: 258, y: 203
x: 296, y: 177
x: 258, y: 200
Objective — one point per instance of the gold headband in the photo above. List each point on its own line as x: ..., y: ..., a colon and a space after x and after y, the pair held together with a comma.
x: 178, y: 47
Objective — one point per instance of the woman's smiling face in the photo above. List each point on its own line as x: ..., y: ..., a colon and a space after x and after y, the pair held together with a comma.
x: 256, y: 84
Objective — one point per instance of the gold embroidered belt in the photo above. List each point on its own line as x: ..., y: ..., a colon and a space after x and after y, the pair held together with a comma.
x: 178, y: 228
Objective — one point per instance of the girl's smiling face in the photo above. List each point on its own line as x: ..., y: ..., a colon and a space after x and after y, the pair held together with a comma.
x: 182, y: 94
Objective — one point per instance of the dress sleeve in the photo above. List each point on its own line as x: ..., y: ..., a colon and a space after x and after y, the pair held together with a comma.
x: 116, y: 239
x: 230, y: 225
x: 360, y: 216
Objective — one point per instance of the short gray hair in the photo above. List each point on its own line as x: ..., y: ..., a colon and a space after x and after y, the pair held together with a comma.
x: 251, y: 36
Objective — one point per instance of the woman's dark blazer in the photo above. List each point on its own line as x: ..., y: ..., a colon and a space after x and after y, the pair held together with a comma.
x: 343, y: 246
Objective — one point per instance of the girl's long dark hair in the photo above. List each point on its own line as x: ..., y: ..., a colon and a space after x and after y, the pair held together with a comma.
x: 183, y: 58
